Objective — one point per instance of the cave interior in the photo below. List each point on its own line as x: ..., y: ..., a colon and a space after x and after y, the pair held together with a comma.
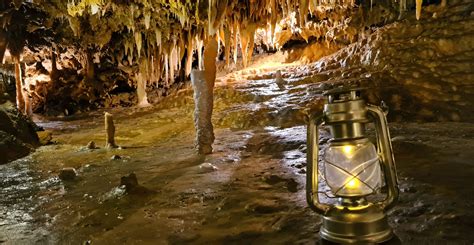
x: 187, y: 121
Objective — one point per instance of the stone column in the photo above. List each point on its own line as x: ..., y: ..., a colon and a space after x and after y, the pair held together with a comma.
x: 110, y: 131
x: 203, y: 100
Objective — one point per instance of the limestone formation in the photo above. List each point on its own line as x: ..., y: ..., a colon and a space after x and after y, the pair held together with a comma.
x: 203, y: 99
x: 110, y: 131
x: 67, y: 174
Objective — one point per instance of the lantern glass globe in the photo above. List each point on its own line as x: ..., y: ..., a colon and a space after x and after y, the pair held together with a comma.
x: 352, y: 170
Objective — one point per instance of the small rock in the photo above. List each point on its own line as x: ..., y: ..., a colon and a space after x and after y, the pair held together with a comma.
x: 67, y: 174
x: 207, y: 167
x: 115, y: 157
x: 130, y: 182
x: 91, y: 145
x: 132, y: 187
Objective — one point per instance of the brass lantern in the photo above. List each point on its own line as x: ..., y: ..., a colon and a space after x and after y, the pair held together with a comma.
x: 354, y: 170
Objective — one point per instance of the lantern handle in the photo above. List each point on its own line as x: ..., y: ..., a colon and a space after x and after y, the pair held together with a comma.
x: 312, y: 165
x: 384, y: 146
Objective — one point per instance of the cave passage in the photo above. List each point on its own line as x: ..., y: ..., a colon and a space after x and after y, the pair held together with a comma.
x: 185, y: 122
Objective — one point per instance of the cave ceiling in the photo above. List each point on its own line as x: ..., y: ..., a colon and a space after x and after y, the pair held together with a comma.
x: 143, y: 28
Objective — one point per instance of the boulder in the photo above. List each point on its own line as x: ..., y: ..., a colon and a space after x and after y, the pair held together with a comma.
x: 17, y: 134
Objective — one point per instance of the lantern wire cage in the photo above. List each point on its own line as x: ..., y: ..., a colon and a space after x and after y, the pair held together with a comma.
x: 326, y: 190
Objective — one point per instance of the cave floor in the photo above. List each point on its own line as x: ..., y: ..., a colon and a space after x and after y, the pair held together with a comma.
x: 256, y: 195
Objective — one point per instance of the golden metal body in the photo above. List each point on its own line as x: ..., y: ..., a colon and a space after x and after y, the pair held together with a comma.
x: 352, y: 220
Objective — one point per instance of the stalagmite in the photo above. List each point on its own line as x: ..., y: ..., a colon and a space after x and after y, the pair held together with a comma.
x: 141, y: 90
x: 28, y: 106
x: 202, y: 112
x: 110, y: 131
x: 20, y: 102
x: 418, y: 8
x: 203, y: 85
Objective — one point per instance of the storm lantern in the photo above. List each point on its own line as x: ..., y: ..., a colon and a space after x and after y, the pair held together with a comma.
x: 360, y: 176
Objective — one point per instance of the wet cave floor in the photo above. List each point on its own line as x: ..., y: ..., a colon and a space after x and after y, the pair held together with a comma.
x: 255, y: 196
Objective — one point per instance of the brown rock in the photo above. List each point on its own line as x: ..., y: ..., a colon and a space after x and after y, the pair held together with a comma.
x: 67, y: 174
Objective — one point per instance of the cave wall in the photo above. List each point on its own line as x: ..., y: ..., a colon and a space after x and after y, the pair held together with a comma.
x: 422, y: 70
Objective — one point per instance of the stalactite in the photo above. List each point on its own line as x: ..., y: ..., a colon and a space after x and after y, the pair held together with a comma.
x: 210, y: 55
x: 418, y: 8
x: 157, y: 63
x: 158, y: 37
x: 147, y: 20
x: 181, y: 49
x: 273, y: 19
x: 219, y: 40
x: 167, y: 69
x: 227, y: 45
x: 251, y: 35
x: 189, y: 56
x: 89, y: 67
x: 244, y: 41
x: 138, y: 42
x: 20, y: 101
x: 172, y: 62
x: 3, y: 44
x: 199, y: 51
x: 303, y: 11
x: 235, y: 31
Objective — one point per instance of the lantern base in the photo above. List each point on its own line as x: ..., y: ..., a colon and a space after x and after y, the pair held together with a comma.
x: 352, y: 226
